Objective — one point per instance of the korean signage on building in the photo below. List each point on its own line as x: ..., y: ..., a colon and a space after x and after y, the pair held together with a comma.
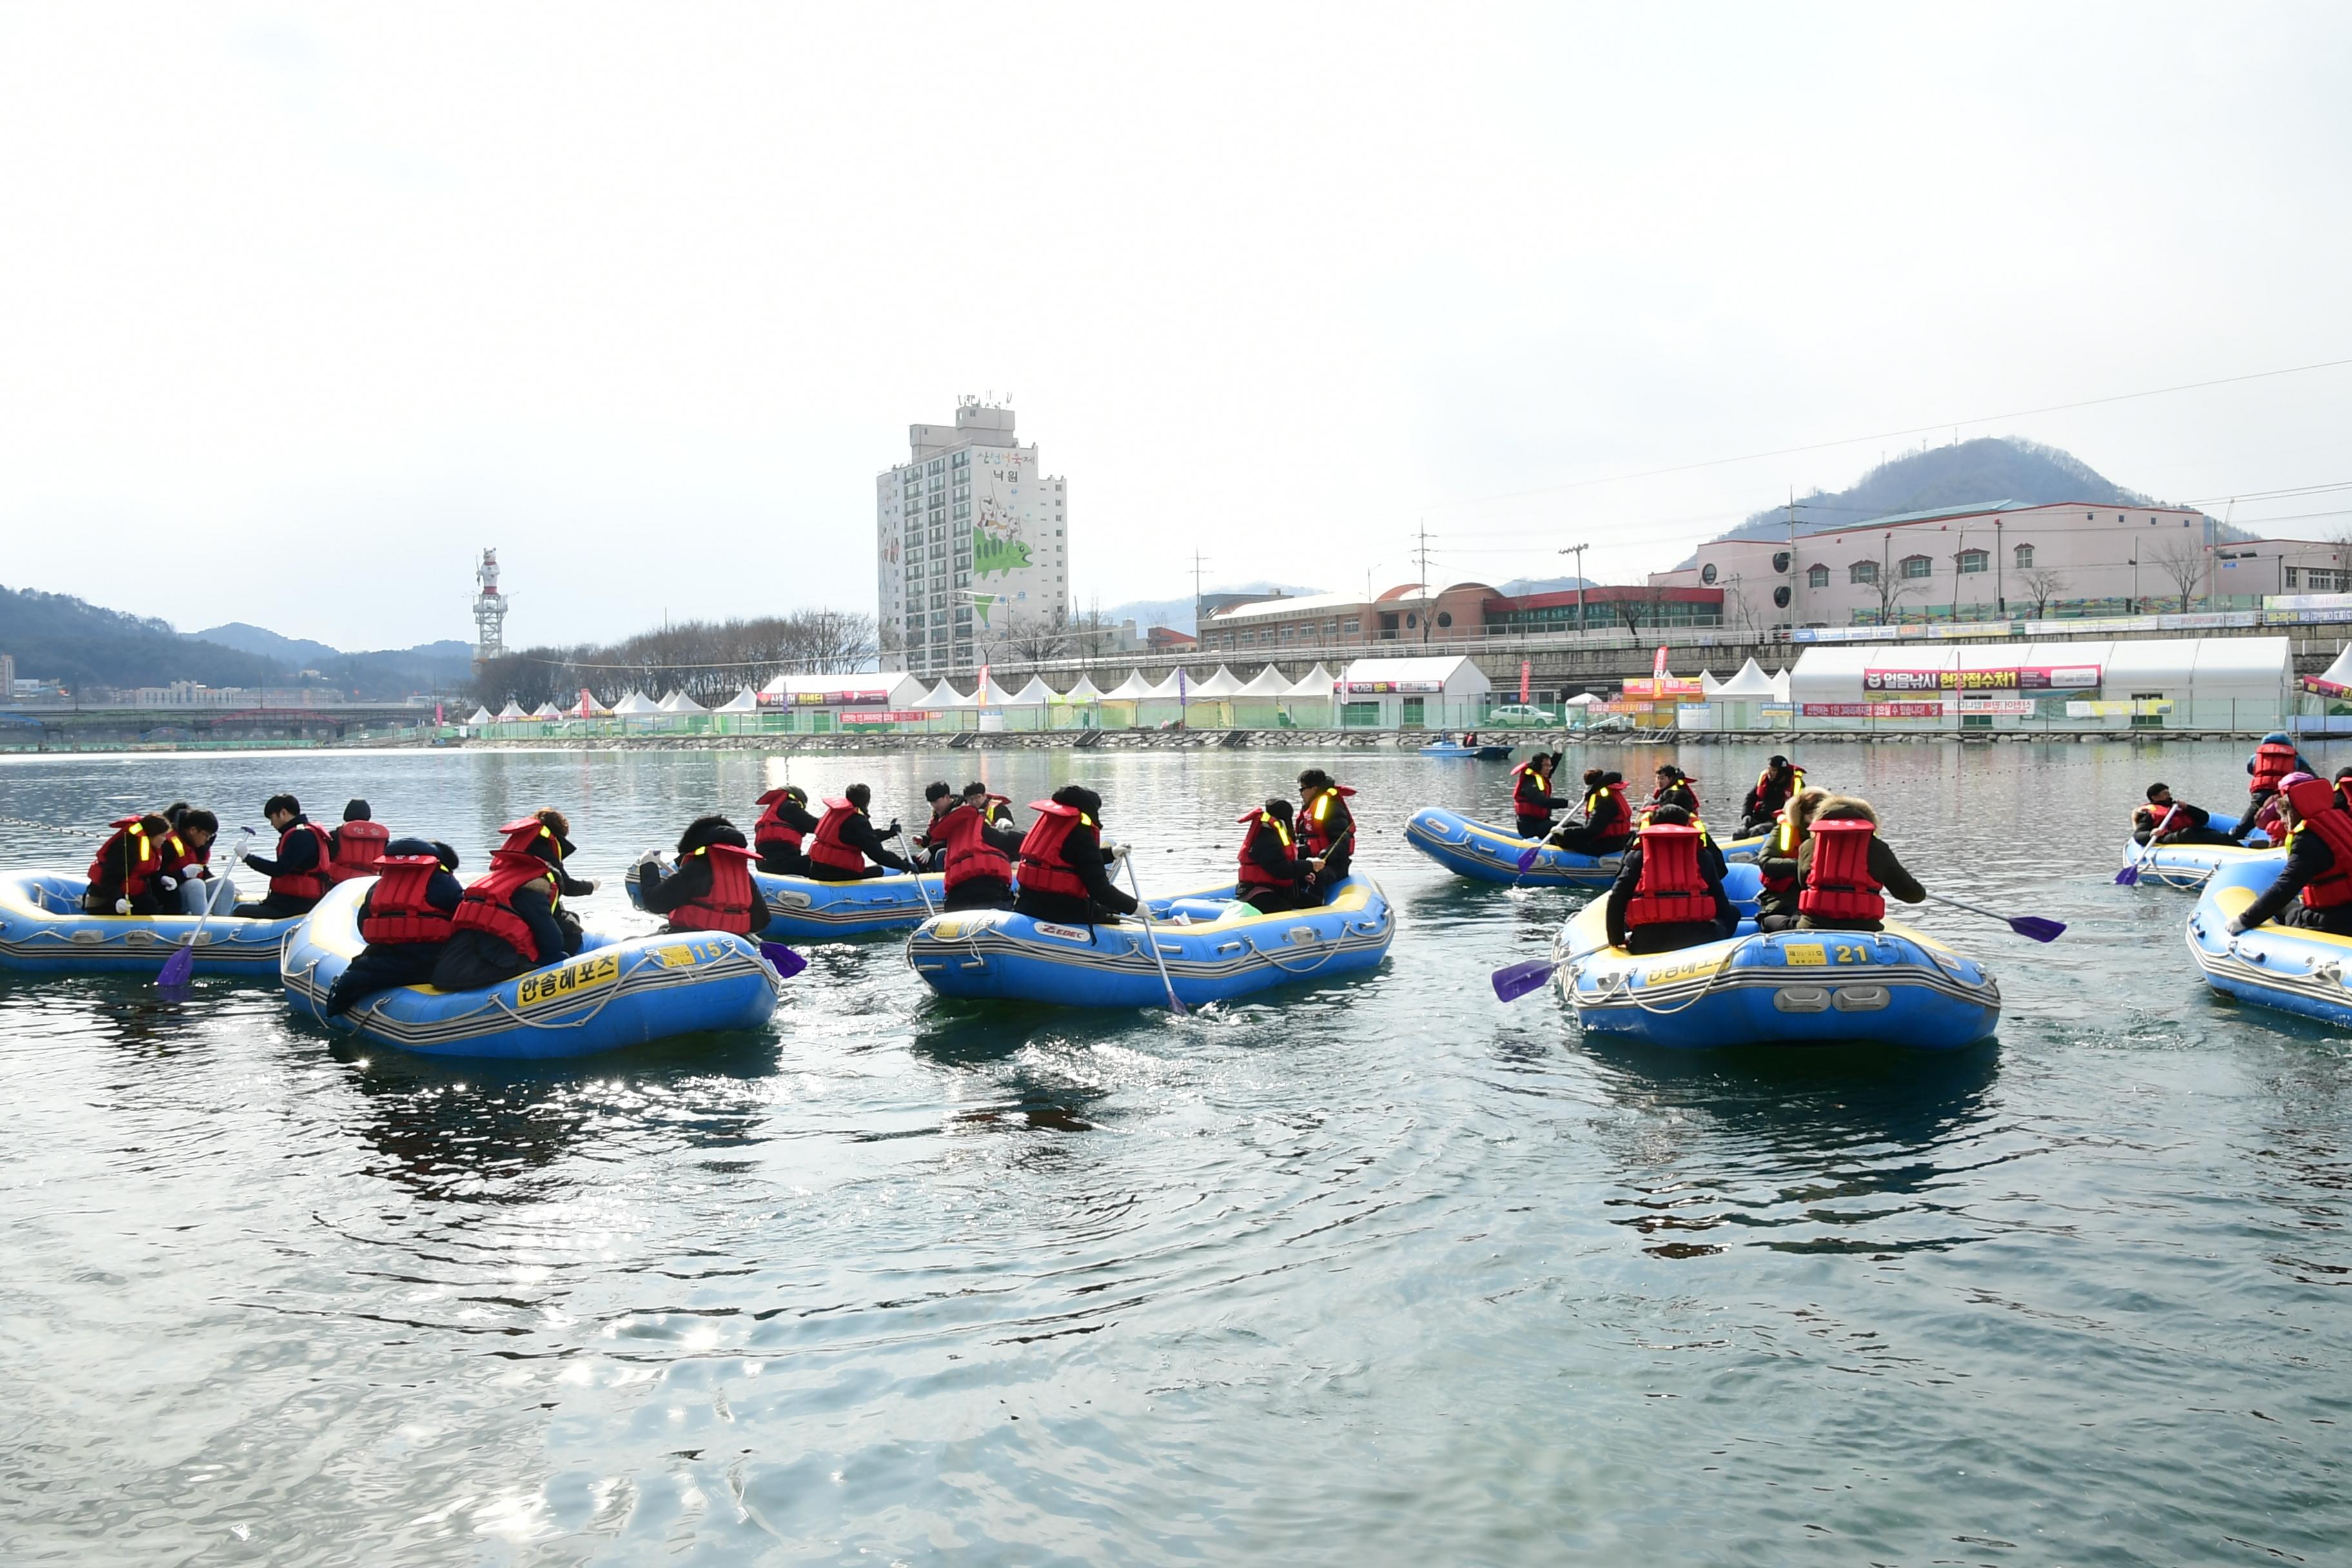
x: 2043, y: 678
x: 1394, y: 688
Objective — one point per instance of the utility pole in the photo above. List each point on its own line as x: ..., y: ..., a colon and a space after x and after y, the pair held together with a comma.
x: 1427, y: 597
x: 1198, y: 560
x: 1578, y: 551
x: 1793, y: 558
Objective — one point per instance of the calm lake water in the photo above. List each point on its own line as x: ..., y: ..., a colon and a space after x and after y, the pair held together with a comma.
x: 1381, y: 1272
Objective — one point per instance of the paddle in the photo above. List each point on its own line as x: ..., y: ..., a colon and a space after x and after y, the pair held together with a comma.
x: 917, y: 866
x: 1151, y: 938
x: 2034, y: 926
x: 2130, y: 875
x: 180, y: 966
x: 786, y: 962
x: 1514, y: 981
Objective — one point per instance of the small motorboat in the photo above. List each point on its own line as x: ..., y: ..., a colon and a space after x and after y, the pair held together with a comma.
x: 1486, y: 853
x: 2188, y: 865
x: 802, y: 909
x: 1791, y: 987
x: 44, y: 931
x: 1446, y: 746
x: 617, y: 992
x: 1213, y: 947
x: 2286, y: 967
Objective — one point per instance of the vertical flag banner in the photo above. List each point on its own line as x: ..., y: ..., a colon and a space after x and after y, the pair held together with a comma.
x: 1527, y: 676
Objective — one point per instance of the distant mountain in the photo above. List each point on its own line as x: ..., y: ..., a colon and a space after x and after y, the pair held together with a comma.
x: 1518, y: 587
x: 1970, y: 473
x: 55, y: 636
x: 1177, y: 614
x: 295, y: 653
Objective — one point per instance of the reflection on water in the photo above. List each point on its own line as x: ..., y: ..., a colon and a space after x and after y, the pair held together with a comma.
x: 1380, y: 1268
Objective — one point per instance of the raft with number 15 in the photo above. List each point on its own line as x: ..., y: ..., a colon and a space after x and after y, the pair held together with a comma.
x: 616, y: 992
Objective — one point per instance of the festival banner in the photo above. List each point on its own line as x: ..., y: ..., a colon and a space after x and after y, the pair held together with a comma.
x: 823, y: 698
x: 1655, y: 687
x: 2043, y: 678
x: 1394, y: 688
x: 1875, y: 711
x: 888, y: 716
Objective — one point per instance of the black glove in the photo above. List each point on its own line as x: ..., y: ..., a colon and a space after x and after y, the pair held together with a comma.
x: 894, y: 830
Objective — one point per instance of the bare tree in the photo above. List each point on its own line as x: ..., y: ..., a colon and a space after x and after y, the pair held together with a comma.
x: 1637, y: 611
x: 2181, y: 559
x: 2042, y: 585
x: 703, y: 658
x: 1890, y: 590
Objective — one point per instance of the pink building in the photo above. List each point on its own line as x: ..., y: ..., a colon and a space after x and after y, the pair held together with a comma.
x: 2004, y: 559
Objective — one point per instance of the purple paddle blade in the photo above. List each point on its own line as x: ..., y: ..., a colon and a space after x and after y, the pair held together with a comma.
x: 787, y: 962
x: 179, y: 967
x: 2128, y: 877
x: 1529, y: 859
x: 1516, y: 980
x: 2037, y: 928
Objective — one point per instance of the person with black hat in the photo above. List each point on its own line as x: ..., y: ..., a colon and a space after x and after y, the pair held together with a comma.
x: 929, y: 852
x: 507, y: 923
x: 357, y: 845
x: 1774, y: 788
x: 1062, y: 861
x: 783, y: 828
x: 711, y: 888
x: 404, y: 919
x: 1608, y: 824
x: 1674, y: 787
x: 845, y: 847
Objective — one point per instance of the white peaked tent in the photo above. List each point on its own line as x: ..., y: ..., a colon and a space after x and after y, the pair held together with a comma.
x: 679, y: 703
x: 635, y: 705
x: 1750, y: 685
x: 944, y: 695
x: 511, y: 713
x: 987, y: 694
x: 547, y: 710
x: 481, y: 716
x: 1707, y: 683
x: 1173, y: 685
x: 1269, y: 686
x: 1218, y: 687
x: 1085, y: 690
x: 744, y: 701
x: 1134, y: 689
x: 1318, y: 683
x: 1037, y: 694
x: 2340, y: 672
x: 1258, y: 704
x: 1780, y: 684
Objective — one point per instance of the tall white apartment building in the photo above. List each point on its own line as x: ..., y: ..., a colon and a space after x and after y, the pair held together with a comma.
x: 971, y: 549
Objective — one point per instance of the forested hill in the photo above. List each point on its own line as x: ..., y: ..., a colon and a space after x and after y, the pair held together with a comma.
x: 55, y: 636
x: 1993, y: 468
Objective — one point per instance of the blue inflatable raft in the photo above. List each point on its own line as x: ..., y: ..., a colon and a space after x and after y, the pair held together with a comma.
x: 616, y: 992
x: 802, y: 909
x: 2292, y: 969
x: 1214, y: 948
x: 44, y: 931
x: 1455, y: 749
x: 2188, y: 865
x: 1469, y: 848
x: 1791, y: 987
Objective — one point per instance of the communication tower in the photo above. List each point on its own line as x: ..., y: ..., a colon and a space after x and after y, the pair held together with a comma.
x: 489, y: 611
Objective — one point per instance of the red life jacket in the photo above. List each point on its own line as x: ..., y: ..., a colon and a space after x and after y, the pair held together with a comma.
x: 1838, y: 885
x: 2274, y: 759
x: 397, y: 910
x: 1253, y: 874
x: 1526, y: 787
x: 1315, y: 822
x: 131, y: 852
x: 180, y: 861
x: 825, y: 848
x: 1615, y: 792
x: 727, y: 905
x: 1042, y: 868
x: 1671, y: 888
x: 358, y: 846
x: 771, y: 828
x: 488, y: 903
x: 310, y: 884
x: 1783, y: 848
x: 1770, y: 795
x: 2315, y: 809
x: 970, y: 855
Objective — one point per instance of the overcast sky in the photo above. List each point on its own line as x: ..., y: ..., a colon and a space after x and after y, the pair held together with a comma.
x: 301, y: 308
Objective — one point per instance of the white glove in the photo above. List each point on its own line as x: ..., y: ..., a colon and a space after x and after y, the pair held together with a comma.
x: 1119, y: 851
x: 650, y: 858
x: 2237, y: 928
x: 168, y: 884
x: 123, y: 905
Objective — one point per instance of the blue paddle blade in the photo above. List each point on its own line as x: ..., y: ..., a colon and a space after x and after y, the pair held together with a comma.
x: 1529, y: 859
x: 2128, y: 877
x: 1516, y: 980
x: 179, y: 967
x: 2037, y: 928
x: 787, y: 962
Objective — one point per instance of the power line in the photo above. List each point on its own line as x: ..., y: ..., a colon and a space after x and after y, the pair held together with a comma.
x: 1889, y: 435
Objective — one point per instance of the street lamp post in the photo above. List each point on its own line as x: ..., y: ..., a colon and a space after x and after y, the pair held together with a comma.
x: 1578, y: 551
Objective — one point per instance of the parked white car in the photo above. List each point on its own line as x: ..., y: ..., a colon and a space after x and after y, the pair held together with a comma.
x: 1520, y: 715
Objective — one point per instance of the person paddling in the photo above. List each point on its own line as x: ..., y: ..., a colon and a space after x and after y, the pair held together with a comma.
x: 1062, y: 861
x: 2314, y: 889
x: 297, y: 873
x: 844, y: 841
x: 1274, y: 874
x: 783, y: 828
x: 711, y: 888
x: 1669, y: 893
x: 1844, y: 869
x: 507, y: 923
x: 2163, y: 820
x: 1608, y: 824
x: 1532, y: 801
x: 1327, y: 830
x: 126, y: 875
x: 404, y: 919
x: 1779, y: 783
x: 976, y: 851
